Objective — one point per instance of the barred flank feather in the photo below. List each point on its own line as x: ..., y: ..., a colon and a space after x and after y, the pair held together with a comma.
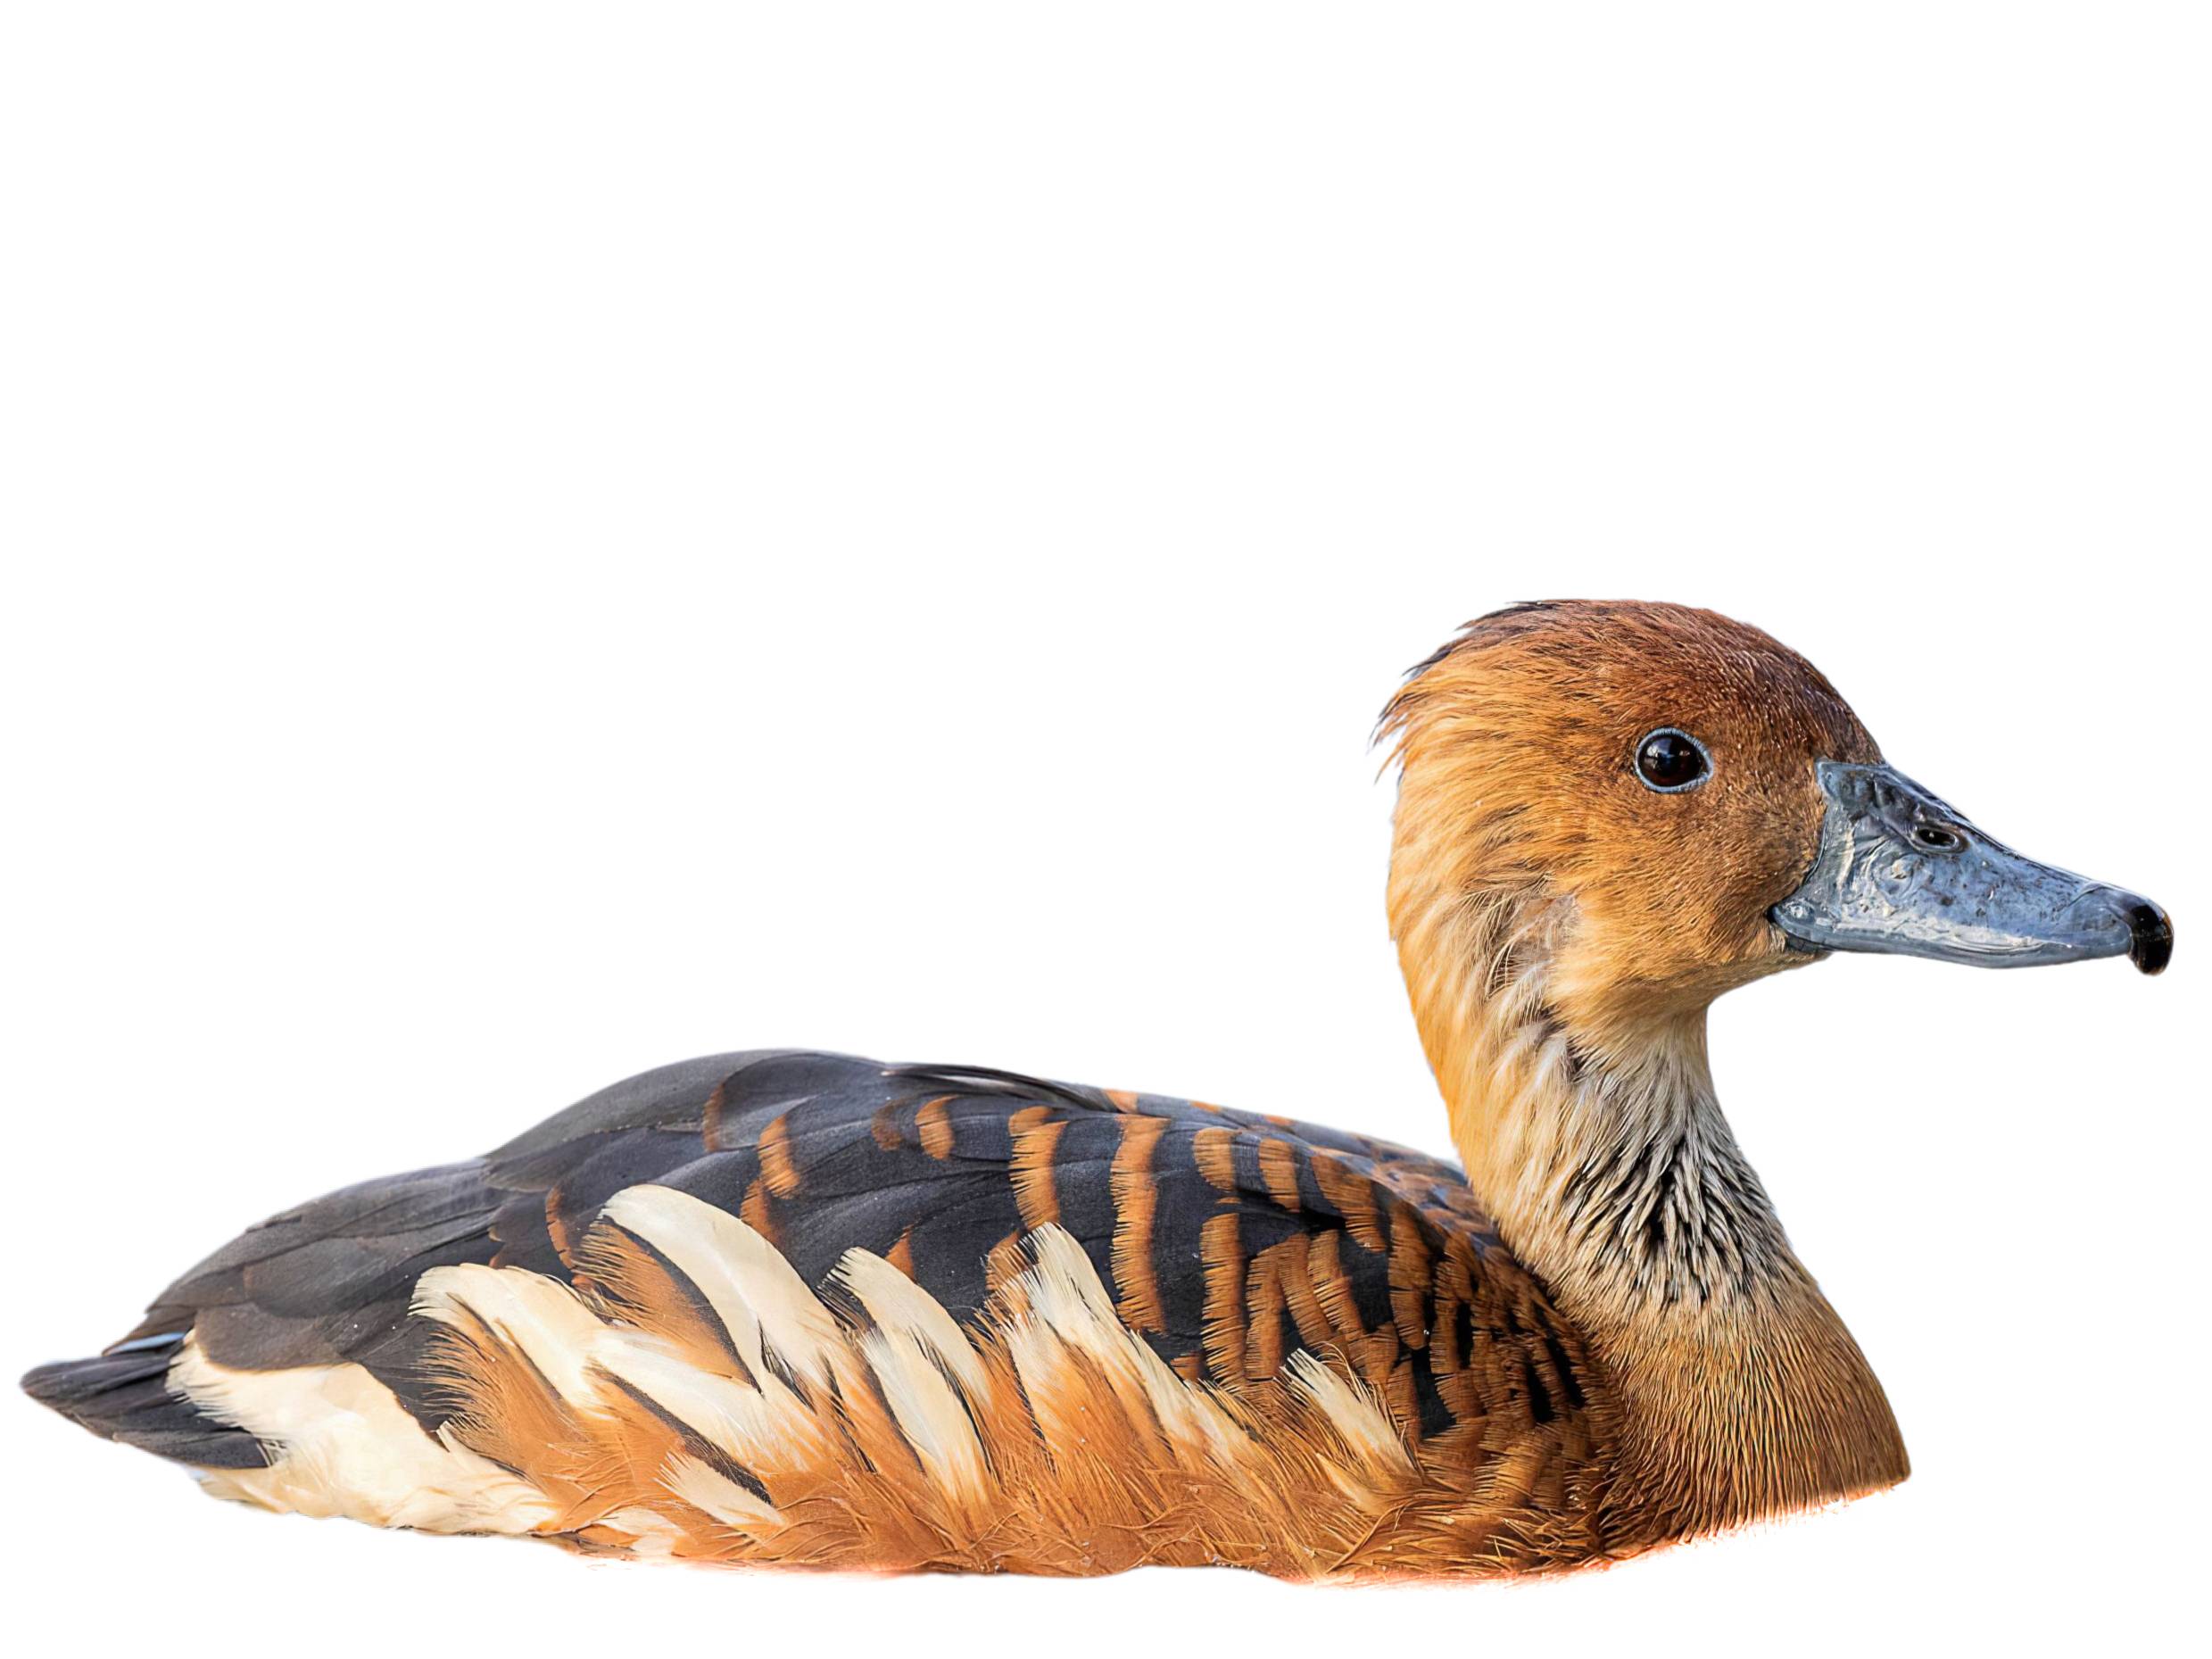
x: 690, y: 1395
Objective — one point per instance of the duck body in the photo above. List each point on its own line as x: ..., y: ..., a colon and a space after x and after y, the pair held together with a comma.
x: 797, y: 1308
x: 800, y: 1307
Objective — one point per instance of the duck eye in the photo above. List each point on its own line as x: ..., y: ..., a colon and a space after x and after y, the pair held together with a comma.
x: 1671, y: 761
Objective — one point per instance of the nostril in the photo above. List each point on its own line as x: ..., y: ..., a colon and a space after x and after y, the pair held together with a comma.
x: 1935, y: 838
x: 2150, y: 936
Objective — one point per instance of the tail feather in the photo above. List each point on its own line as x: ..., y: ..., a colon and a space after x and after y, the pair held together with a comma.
x: 124, y: 1394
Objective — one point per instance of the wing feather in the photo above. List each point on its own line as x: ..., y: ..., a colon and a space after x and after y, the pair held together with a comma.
x: 1233, y: 1242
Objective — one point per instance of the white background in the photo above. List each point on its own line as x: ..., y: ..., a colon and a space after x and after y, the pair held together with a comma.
x: 544, y: 541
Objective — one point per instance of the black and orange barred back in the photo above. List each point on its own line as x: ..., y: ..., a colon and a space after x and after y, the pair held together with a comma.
x: 1230, y: 1241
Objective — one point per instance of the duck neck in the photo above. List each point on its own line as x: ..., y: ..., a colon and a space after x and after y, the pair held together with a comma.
x: 1601, y: 1151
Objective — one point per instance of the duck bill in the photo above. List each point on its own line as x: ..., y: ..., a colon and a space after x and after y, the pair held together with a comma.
x: 1898, y: 871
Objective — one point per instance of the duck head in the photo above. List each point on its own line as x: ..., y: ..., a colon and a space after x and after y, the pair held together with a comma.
x: 1607, y: 815
x: 1660, y: 803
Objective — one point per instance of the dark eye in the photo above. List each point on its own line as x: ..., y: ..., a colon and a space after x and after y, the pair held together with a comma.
x: 1671, y: 761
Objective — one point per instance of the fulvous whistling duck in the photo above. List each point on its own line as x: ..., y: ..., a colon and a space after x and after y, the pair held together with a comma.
x: 796, y: 1308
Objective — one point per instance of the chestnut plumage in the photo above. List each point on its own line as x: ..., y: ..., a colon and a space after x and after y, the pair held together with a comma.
x: 798, y: 1308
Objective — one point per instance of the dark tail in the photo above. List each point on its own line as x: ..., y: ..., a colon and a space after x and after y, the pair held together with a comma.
x: 124, y: 1394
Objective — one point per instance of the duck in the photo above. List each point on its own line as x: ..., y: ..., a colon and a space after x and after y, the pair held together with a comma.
x: 787, y: 1308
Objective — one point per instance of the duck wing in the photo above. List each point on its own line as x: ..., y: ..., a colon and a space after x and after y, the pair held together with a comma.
x: 1231, y: 1243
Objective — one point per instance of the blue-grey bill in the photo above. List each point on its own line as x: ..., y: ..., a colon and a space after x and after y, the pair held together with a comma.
x: 1898, y: 871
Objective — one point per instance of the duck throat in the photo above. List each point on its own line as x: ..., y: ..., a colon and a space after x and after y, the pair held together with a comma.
x: 1610, y: 1171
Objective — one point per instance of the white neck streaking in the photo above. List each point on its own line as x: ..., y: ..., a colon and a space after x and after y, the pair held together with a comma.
x: 1612, y: 1173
